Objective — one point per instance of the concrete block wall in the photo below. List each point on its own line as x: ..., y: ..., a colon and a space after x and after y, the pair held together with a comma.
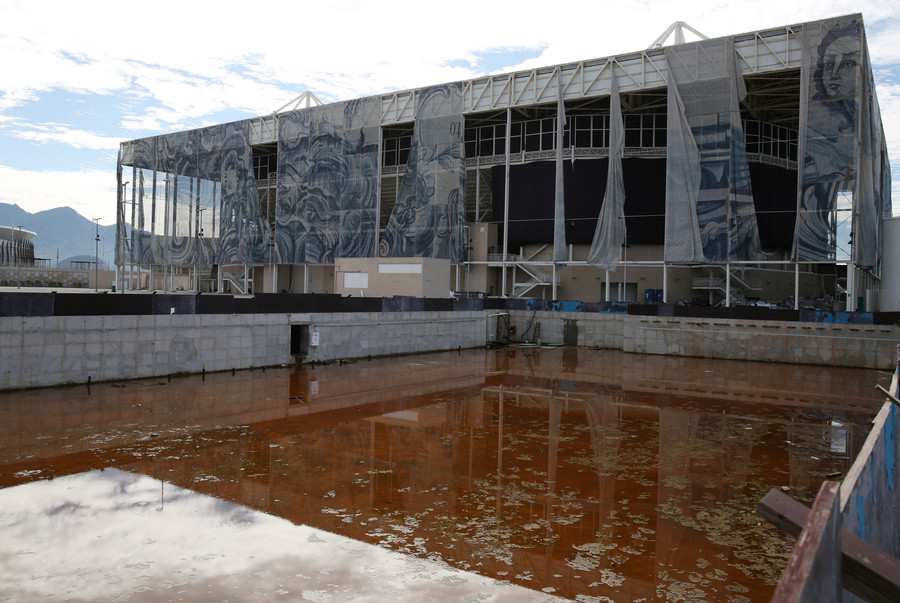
x: 44, y: 277
x: 833, y: 344
x: 602, y: 330
x: 46, y: 351
x: 358, y: 335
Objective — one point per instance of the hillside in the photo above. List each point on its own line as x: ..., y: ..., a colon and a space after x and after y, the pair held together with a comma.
x: 61, y: 232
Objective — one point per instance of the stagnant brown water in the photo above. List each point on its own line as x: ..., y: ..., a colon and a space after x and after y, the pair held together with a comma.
x: 588, y: 474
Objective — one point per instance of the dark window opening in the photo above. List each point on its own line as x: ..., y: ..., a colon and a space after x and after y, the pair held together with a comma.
x: 299, y: 340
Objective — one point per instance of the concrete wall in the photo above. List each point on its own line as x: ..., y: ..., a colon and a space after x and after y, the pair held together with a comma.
x: 889, y: 296
x: 833, y: 344
x: 387, y: 277
x: 46, y: 277
x: 482, y: 242
x: 45, y: 351
x: 358, y: 335
x: 48, y: 351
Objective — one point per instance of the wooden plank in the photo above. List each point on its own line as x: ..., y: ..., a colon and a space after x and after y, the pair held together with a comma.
x: 813, y: 571
x: 866, y: 571
x: 890, y: 395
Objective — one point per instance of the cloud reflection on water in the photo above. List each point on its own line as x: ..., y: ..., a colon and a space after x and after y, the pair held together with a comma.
x: 114, y: 536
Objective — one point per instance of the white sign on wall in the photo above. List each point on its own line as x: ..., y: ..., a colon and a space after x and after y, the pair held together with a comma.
x: 356, y: 280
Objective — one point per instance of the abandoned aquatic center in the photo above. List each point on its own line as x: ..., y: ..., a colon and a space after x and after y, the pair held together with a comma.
x: 725, y: 198
x: 738, y: 187
x: 749, y: 169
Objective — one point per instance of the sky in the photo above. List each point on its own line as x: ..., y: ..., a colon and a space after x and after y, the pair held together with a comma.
x: 78, y: 78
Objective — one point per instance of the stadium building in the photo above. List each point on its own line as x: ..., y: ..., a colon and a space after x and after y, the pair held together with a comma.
x: 16, y: 247
x: 745, y: 169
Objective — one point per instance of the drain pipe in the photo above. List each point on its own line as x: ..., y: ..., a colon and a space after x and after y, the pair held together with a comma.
x: 727, y: 285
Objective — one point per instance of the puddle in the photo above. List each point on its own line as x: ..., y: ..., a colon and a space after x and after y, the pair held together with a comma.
x: 588, y: 475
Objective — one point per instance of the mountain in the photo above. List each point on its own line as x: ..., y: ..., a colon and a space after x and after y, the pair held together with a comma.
x: 61, y: 233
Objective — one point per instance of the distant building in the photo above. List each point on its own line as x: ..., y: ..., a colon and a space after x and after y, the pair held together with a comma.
x: 82, y: 262
x: 742, y: 169
x: 16, y: 248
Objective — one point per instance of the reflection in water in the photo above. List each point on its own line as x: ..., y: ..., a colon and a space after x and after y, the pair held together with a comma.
x: 104, y: 536
x: 579, y: 473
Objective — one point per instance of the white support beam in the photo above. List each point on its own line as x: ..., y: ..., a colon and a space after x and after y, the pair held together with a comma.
x: 770, y: 50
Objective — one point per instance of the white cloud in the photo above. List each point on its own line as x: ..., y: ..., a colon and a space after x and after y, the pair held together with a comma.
x: 50, y: 132
x: 92, y: 193
x: 178, y: 64
x: 889, y: 103
x: 196, y: 58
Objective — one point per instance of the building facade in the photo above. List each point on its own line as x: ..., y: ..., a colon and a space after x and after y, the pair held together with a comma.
x: 16, y: 248
x: 731, y: 170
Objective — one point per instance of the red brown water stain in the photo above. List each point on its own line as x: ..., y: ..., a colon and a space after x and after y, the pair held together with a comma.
x: 591, y: 473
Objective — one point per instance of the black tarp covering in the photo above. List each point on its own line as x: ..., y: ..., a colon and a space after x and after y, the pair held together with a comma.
x: 101, y: 304
x: 775, y: 200
x: 26, y: 304
x: 531, y: 201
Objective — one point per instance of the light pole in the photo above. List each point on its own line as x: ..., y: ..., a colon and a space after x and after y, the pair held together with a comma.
x: 97, y: 255
x: 200, y: 211
x: 120, y: 239
x: 271, y: 246
x: 18, y: 254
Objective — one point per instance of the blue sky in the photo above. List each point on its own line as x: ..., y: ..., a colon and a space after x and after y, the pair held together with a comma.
x: 79, y: 77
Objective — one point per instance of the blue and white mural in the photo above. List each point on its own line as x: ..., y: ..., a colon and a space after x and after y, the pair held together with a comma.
x: 328, y: 174
x: 196, y: 200
x: 428, y: 219
x: 873, y: 188
x: 709, y: 203
x: 293, y: 174
x: 324, y: 176
x: 361, y: 174
x: 245, y: 234
x: 829, y: 133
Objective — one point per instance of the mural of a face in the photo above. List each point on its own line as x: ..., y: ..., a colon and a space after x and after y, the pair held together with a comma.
x: 838, y: 62
x: 839, y: 72
x: 230, y: 173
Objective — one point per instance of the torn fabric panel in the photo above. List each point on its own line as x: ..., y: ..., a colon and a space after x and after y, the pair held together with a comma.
x: 609, y: 235
x: 710, y: 86
x: 559, y: 194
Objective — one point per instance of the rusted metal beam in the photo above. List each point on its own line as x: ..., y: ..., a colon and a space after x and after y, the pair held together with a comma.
x: 866, y: 571
x: 813, y: 572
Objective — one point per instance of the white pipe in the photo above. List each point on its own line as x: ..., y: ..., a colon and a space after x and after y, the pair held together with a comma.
x: 506, y: 202
x: 665, y: 298
x: 554, y: 281
x: 727, y: 286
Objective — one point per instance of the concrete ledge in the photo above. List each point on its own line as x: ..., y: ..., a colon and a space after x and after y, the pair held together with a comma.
x: 47, y: 351
x: 42, y: 351
x: 342, y: 335
x: 832, y: 344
